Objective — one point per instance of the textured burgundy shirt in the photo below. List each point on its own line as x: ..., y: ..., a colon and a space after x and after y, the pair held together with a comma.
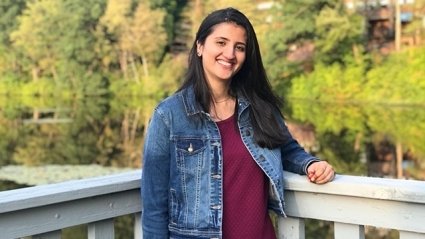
x: 245, y: 189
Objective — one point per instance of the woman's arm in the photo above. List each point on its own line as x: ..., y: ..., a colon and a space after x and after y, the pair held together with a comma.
x: 155, y: 179
x: 295, y: 159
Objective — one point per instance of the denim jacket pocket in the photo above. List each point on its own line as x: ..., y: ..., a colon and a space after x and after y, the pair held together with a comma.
x: 190, y: 154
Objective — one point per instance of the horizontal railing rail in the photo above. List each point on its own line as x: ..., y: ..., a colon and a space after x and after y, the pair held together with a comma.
x: 43, y: 211
x: 350, y: 202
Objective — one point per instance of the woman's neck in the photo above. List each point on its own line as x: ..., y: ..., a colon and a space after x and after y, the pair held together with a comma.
x: 223, y: 108
x: 220, y: 93
x: 222, y: 102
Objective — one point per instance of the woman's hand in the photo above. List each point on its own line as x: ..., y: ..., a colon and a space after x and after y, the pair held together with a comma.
x: 320, y: 172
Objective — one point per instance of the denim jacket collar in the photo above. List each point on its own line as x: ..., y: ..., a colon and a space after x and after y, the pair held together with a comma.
x: 191, y: 106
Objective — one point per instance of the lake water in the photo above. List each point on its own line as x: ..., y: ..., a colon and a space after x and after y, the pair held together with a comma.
x: 97, y: 136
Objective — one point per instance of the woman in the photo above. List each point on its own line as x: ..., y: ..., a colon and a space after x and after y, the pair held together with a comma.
x: 215, y: 151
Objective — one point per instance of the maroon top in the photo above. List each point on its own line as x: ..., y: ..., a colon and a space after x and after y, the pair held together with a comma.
x: 245, y: 189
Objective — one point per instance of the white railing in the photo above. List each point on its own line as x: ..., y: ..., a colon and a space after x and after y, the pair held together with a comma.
x: 43, y: 211
x: 350, y: 202
x: 353, y: 202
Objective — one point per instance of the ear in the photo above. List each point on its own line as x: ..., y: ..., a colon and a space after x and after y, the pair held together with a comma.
x: 199, y: 48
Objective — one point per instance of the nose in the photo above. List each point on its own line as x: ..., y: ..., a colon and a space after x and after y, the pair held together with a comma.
x: 229, y: 52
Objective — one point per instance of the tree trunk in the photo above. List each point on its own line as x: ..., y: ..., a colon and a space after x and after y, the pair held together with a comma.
x: 35, y: 71
x: 399, y: 159
x: 133, y: 132
x: 134, y: 70
x: 123, y: 63
x: 145, y: 66
x: 397, y: 25
x: 55, y: 75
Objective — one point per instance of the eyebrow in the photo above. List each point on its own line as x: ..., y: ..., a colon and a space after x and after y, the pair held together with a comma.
x: 226, y: 39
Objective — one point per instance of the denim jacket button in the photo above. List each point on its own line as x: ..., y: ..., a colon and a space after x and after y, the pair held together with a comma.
x: 190, y: 149
x: 262, y: 158
x: 216, y: 176
x: 216, y: 207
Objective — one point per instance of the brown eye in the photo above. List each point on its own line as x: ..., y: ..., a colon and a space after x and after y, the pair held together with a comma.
x: 240, y: 48
x: 221, y: 43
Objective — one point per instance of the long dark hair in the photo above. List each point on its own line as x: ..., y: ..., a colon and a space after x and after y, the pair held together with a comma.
x: 250, y: 82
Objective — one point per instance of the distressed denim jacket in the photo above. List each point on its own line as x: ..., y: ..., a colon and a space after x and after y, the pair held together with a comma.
x: 182, y: 169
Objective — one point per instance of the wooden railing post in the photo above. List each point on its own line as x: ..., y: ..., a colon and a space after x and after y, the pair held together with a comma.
x: 291, y: 228
x: 138, y: 233
x: 348, y: 231
x: 101, y: 230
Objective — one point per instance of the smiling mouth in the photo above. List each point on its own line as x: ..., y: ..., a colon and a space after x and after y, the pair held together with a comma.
x: 225, y: 63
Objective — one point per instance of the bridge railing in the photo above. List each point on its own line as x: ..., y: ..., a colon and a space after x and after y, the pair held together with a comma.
x: 352, y: 203
x: 349, y: 202
x: 43, y: 211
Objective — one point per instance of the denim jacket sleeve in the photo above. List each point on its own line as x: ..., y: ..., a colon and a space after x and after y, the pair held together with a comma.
x: 294, y: 158
x: 155, y: 178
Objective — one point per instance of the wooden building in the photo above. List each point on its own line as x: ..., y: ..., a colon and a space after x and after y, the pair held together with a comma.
x: 381, y: 18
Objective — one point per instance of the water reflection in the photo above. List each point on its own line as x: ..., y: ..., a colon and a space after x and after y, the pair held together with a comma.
x: 369, y: 140
x: 98, y: 131
x: 373, y: 140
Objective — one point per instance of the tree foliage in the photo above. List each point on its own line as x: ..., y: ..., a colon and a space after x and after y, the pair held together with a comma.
x: 311, y: 49
x: 9, y: 11
x: 133, y: 37
x: 342, y: 128
x: 54, y: 38
x: 339, y: 34
x: 334, y: 82
x: 293, y: 27
x: 399, y: 79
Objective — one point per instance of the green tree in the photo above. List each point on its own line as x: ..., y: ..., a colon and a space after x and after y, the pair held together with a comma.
x: 132, y: 38
x: 339, y: 33
x: 9, y: 10
x: 144, y: 36
x: 55, y: 37
x: 398, y: 79
x: 331, y: 82
x: 307, y: 33
x: 36, y: 37
x: 172, y: 9
x: 292, y: 27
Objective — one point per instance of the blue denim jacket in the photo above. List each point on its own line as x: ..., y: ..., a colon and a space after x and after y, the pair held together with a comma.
x: 182, y: 169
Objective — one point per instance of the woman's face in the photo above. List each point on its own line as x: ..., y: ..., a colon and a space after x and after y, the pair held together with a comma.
x: 223, y: 52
